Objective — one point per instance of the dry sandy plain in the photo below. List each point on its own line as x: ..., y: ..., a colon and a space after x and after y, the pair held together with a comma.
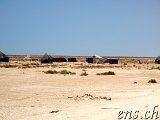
x: 30, y: 94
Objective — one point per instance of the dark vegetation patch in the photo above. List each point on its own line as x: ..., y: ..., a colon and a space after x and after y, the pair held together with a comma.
x: 64, y: 72
x: 8, y: 66
x: 152, y: 81
x: 51, y: 72
x: 106, y: 73
x: 157, y: 68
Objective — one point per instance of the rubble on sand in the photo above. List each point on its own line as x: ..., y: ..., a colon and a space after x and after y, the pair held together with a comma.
x: 89, y: 97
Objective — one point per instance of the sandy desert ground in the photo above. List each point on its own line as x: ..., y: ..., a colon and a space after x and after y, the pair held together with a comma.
x: 30, y: 94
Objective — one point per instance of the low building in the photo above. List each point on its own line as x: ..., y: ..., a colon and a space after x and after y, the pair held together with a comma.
x: 3, y: 57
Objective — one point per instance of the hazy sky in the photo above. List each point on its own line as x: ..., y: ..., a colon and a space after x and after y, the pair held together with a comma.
x: 80, y: 27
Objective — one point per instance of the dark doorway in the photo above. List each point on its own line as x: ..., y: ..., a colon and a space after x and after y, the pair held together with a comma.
x: 113, y: 61
x: 89, y: 60
x: 59, y: 60
x: 72, y: 60
x: 5, y: 59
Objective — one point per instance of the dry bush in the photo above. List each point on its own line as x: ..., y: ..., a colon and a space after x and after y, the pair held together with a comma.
x: 157, y: 68
x: 64, y: 72
x: 8, y: 66
x: 106, y: 73
x: 36, y: 64
x: 134, y: 65
x: 83, y: 74
x: 124, y: 64
x: 54, y: 65
x: 26, y: 66
x: 67, y: 72
x: 72, y: 73
x: 152, y: 81
x: 51, y: 72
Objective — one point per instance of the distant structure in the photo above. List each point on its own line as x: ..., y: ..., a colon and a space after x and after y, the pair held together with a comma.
x: 157, y: 61
x: 86, y: 59
x: 60, y: 59
x: 72, y: 60
x: 3, y: 57
x: 46, y: 58
x: 101, y: 60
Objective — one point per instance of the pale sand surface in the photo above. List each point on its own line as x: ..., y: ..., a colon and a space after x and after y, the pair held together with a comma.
x: 30, y: 94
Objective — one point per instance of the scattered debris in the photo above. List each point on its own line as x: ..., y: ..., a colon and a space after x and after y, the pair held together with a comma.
x: 89, y: 97
x: 109, y: 99
x: 70, y: 96
x: 55, y: 111
x: 102, y: 97
x: 134, y: 82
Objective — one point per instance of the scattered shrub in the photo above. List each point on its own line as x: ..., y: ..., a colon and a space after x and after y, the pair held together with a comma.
x: 51, y: 72
x: 72, y: 73
x: 152, y: 81
x: 26, y: 66
x: 8, y: 66
x: 67, y: 72
x: 54, y: 65
x: 124, y: 64
x: 64, y: 72
x: 106, y: 73
x: 158, y: 68
x: 134, y: 82
x: 36, y: 64
x: 83, y: 74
